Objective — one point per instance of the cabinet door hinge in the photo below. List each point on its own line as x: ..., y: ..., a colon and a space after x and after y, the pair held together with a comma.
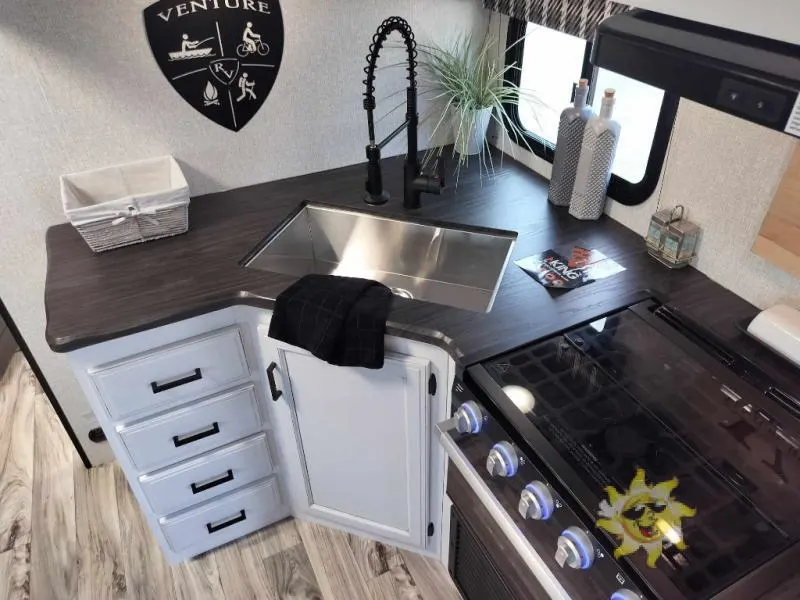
x: 430, y: 529
x: 432, y: 385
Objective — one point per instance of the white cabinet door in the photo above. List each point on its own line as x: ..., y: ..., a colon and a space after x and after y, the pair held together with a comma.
x: 362, y: 437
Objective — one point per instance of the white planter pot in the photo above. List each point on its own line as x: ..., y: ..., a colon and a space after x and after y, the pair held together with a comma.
x: 469, y: 130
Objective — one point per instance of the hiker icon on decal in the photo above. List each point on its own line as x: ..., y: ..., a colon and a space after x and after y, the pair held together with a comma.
x: 246, y: 86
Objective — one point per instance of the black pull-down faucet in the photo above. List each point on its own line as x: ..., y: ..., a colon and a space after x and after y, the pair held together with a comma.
x: 415, y: 182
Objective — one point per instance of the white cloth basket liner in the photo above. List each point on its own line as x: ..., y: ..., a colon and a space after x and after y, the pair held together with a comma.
x: 112, y: 192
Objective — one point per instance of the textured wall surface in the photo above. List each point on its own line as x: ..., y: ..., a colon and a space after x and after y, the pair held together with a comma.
x: 725, y: 171
x: 80, y: 89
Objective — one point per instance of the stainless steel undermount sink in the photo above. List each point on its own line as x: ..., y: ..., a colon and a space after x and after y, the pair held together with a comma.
x: 447, y: 264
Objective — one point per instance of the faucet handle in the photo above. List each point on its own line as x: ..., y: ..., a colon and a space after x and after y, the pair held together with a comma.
x: 431, y: 184
x: 441, y: 169
x: 437, y: 179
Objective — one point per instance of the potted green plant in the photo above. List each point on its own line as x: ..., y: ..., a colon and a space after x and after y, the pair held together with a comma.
x: 469, y: 88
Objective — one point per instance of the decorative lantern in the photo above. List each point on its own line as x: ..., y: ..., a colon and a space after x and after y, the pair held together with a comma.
x: 657, y: 232
x: 672, y: 239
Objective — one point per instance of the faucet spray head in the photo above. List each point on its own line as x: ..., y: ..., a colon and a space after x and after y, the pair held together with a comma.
x: 375, y: 194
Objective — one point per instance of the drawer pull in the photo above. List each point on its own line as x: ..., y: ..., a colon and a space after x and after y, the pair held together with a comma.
x: 163, y: 387
x: 196, y: 489
x: 219, y: 525
x: 180, y: 440
x: 273, y: 389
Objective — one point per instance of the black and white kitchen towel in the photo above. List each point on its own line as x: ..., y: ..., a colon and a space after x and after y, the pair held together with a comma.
x: 341, y: 320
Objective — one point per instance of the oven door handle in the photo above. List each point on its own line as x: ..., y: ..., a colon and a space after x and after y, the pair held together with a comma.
x: 448, y: 434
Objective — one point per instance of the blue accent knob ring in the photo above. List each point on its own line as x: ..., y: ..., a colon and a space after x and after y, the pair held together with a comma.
x: 509, y: 462
x: 476, y: 427
x: 547, y: 508
x: 586, y: 559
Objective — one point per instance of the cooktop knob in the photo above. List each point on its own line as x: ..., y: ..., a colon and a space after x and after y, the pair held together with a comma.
x: 625, y: 595
x: 502, y: 460
x: 469, y: 418
x: 536, y: 501
x: 574, y: 549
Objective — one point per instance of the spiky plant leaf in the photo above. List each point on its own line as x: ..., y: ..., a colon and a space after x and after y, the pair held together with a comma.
x: 463, y: 79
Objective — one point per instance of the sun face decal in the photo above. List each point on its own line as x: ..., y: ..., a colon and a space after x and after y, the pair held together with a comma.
x: 643, y: 517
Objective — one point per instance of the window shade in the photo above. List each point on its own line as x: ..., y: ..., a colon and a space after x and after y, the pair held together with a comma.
x: 575, y: 17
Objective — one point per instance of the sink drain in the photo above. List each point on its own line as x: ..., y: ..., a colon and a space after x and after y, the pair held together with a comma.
x: 403, y: 293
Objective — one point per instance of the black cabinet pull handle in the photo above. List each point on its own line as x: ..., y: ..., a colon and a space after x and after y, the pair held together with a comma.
x: 158, y: 387
x: 179, y: 440
x: 273, y: 389
x: 232, y: 521
x: 196, y: 489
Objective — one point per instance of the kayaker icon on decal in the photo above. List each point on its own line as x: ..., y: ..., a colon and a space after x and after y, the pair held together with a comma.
x: 237, y: 43
x: 191, y: 49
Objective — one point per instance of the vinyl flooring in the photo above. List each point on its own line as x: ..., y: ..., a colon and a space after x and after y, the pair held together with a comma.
x: 68, y: 532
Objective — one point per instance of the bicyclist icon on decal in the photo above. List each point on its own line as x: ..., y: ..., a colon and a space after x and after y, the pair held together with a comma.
x: 251, y: 43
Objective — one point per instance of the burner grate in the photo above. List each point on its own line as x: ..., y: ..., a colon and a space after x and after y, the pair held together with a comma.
x: 583, y: 384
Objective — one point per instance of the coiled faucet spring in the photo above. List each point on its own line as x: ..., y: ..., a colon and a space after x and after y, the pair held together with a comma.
x: 415, y: 182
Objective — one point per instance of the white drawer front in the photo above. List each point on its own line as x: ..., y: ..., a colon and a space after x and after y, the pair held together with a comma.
x: 193, y: 429
x: 183, y: 371
x: 226, y: 519
x: 208, y: 476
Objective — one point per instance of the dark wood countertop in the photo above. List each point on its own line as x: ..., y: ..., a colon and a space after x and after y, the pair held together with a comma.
x: 91, y: 298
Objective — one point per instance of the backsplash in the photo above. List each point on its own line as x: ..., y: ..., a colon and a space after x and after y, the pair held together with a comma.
x: 725, y: 171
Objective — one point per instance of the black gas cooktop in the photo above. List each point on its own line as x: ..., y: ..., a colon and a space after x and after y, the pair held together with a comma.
x: 687, y: 471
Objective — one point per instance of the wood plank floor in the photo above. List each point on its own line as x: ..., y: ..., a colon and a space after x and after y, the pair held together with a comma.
x: 66, y: 532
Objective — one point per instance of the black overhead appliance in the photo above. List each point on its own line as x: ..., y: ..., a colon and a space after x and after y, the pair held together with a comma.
x: 630, y: 457
x: 752, y: 77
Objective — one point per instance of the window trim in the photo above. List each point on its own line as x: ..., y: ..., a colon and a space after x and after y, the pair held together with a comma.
x: 619, y: 189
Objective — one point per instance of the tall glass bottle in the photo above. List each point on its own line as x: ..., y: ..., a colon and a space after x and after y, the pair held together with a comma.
x: 568, y: 146
x: 597, y: 158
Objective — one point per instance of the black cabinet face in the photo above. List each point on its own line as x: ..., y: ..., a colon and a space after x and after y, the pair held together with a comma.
x: 222, y: 56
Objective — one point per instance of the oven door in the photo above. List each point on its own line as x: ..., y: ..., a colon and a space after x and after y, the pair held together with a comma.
x: 489, y: 555
x: 481, y: 562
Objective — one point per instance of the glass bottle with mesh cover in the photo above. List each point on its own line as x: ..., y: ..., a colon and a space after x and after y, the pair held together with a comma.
x: 571, y: 126
x: 598, y: 149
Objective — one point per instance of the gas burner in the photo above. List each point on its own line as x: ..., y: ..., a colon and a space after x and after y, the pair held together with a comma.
x: 580, y: 420
x: 624, y: 443
x: 609, y: 407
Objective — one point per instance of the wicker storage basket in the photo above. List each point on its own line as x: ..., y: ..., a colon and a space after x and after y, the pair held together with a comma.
x: 127, y: 204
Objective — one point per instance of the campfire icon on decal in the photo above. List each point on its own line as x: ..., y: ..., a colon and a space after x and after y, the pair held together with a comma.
x: 210, y: 95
